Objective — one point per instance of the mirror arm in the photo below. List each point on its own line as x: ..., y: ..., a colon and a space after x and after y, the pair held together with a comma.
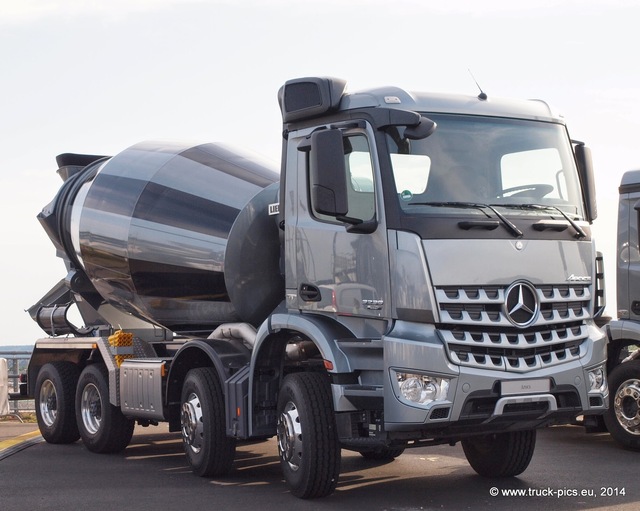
x: 363, y: 227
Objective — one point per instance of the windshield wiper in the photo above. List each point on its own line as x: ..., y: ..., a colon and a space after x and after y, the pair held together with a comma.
x: 476, y: 205
x: 579, y: 231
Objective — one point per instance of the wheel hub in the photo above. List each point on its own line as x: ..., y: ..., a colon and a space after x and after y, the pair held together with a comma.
x: 48, y: 403
x: 191, y: 423
x: 91, y: 408
x: 627, y: 406
x: 290, y: 436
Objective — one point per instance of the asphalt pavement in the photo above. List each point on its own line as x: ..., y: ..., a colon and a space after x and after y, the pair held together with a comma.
x: 570, y: 470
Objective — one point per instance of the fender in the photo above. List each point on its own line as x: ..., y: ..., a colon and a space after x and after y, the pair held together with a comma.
x: 620, y: 333
x: 619, y: 329
x: 268, y: 355
x: 322, y: 330
x: 225, y: 356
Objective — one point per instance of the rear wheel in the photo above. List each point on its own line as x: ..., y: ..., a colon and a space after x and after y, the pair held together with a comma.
x: 623, y: 416
x: 500, y: 454
x: 307, y: 439
x: 102, y: 426
x: 54, y: 395
x: 209, y: 451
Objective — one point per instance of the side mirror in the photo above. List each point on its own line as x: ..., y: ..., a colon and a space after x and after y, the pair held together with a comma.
x: 424, y: 129
x: 327, y: 173
x: 585, y: 172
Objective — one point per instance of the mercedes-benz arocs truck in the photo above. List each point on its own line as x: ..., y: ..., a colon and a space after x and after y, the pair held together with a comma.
x: 421, y: 271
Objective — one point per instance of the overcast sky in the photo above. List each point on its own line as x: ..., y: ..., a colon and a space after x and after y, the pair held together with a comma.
x: 98, y: 76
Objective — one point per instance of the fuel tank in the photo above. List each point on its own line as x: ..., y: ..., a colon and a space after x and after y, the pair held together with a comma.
x: 173, y: 234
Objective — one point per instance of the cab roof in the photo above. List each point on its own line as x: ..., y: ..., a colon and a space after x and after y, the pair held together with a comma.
x: 394, y: 97
x: 308, y: 98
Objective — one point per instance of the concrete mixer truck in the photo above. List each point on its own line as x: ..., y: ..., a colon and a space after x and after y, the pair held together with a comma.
x: 420, y: 271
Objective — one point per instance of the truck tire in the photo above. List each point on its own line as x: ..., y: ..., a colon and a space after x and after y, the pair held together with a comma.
x: 623, y: 416
x: 209, y: 451
x: 54, y: 397
x: 500, y: 454
x: 308, y: 443
x: 102, y: 426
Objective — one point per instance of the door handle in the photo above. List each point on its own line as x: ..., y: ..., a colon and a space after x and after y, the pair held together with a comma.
x: 309, y: 293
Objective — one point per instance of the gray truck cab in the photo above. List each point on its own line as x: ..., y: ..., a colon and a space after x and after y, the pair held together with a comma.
x: 458, y: 228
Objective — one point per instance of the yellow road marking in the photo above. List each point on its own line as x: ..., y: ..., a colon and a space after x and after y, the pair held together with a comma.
x: 6, y: 444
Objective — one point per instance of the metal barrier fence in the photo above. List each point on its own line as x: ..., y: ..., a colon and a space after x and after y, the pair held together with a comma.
x: 17, y: 362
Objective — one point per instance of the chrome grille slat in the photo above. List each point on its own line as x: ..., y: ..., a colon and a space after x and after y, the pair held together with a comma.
x: 466, y: 318
x: 463, y: 296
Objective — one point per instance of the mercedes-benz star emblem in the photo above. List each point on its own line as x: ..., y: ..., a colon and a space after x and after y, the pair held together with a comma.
x: 521, y: 305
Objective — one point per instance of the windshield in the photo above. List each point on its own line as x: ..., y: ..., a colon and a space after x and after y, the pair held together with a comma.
x: 488, y: 161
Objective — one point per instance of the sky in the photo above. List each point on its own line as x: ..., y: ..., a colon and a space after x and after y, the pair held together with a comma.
x: 97, y: 77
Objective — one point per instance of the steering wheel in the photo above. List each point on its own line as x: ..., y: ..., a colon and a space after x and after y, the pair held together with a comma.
x: 536, y: 191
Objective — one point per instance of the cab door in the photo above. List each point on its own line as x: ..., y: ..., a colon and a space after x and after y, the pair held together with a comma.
x: 337, y: 240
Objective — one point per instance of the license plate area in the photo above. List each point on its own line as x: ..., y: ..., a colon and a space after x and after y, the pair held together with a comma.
x: 519, y: 387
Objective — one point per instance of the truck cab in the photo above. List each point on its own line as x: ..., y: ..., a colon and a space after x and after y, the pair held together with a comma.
x: 472, y: 236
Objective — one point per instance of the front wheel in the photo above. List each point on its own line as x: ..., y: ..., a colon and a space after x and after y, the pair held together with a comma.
x: 500, y: 454
x: 307, y: 438
x: 54, y: 395
x: 209, y: 451
x: 623, y: 416
x: 102, y: 426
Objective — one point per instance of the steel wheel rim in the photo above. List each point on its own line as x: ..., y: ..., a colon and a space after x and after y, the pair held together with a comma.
x: 48, y: 403
x: 192, y: 423
x: 91, y: 408
x: 290, y: 436
x: 626, y: 406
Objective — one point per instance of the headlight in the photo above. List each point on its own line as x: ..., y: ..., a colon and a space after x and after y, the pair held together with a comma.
x: 421, y: 389
x: 597, y: 380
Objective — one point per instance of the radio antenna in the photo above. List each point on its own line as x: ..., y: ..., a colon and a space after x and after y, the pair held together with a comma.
x: 482, y: 96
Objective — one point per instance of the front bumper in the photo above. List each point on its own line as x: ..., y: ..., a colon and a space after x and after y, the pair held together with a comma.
x: 477, y: 400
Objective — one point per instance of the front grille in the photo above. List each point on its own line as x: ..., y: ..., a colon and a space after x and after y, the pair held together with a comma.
x: 478, y: 333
